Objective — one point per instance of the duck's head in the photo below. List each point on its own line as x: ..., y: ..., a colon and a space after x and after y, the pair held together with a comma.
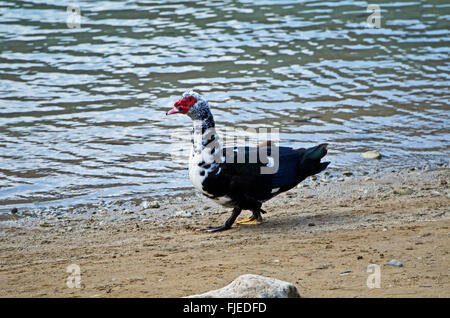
x: 192, y: 104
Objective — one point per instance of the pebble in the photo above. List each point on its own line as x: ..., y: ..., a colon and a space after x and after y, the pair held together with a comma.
x: 403, y: 190
x: 183, y: 214
x: 368, y: 179
x: 345, y: 272
x: 372, y: 154
x: 154, y: 205
x: 347, y: 173
x: 324, y: 180
x: 150, y: 205
x: 341, y: 179
x: 325, y: 266
x: 304, y: 119
x: 394, y: 262
x: 311, y: 224
x: 45, y: 224
x: 14, y: 211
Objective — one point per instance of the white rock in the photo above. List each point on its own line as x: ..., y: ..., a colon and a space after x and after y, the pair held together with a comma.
x: 394, y: 262
x: 183, y: 214
x: 372, y: 154
x: 402, y: 190
x: 253, y: 286
x: 145, y: 205
x: 151, y: 205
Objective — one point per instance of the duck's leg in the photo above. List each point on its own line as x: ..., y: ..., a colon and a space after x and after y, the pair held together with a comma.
x: 228, y: 223
x: 256, y: 218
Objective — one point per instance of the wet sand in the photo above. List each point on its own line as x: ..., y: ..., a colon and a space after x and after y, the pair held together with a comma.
x: 320, y: 238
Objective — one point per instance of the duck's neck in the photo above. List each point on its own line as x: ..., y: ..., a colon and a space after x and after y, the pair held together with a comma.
x: 206, y: 145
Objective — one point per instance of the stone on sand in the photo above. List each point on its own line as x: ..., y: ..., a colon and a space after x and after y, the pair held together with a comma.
x: 372, y: 154
x: 402, y: 190
x: 394, y: 262
x: 183, y: 214
x: 150, y: 205
x: 253, y: 286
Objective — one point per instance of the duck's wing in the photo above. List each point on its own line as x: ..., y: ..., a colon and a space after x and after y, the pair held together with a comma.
x: 257, y: 173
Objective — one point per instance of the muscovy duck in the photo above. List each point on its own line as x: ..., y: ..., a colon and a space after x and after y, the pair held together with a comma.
x: 228, y: 176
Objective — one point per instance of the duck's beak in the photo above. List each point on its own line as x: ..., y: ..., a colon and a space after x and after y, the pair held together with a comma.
x: 173, y: 111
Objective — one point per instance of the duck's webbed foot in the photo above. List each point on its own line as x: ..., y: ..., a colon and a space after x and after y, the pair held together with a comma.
x: 212, y: 229
x: 256, y: 218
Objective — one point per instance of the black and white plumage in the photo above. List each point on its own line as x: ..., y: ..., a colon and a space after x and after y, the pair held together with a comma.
x: 231, y: 176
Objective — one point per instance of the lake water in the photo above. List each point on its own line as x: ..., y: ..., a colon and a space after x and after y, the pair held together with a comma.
x: 82, y: 110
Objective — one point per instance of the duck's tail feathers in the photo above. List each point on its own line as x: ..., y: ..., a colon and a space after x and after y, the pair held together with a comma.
x: 315, y: 153
x: 310, y: 163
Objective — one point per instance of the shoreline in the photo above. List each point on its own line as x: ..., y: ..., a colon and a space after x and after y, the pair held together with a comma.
x: 49, y: 209
x: 320, y: 236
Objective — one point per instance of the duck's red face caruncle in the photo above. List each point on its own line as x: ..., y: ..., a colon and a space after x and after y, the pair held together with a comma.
x: 182, y: 106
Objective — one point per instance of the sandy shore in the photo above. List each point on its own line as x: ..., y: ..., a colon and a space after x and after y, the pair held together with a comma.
x: 321, y: 238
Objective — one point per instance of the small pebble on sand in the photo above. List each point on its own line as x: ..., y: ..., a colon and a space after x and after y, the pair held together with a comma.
x: 150, y: 205
x: 394, y: 262
x: 372, y: 154
x: 183, y: 214
x: 403, y: 190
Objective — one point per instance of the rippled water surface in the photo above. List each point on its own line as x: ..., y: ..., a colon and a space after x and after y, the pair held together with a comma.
x: 82, y: 110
